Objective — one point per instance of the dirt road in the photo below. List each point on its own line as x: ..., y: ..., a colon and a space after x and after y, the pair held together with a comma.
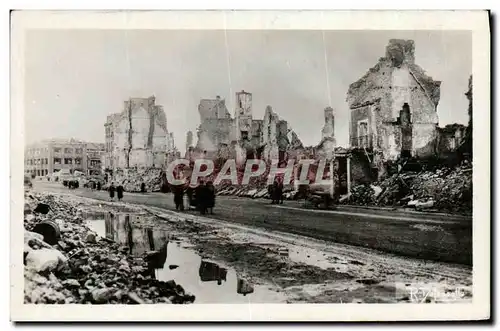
x: 431, y: 237
x: 224, y: 262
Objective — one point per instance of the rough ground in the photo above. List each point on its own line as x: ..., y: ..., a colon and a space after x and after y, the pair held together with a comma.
x: 301, y: 269
x: 426, y: 236
x: 80, y: 267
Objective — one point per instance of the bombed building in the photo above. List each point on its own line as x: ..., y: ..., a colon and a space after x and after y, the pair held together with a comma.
x: 138, y: 136
x: 393, y: 108
x: 242, y: 137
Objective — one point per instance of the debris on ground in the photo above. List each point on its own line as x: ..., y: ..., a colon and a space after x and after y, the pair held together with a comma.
x: 132, y: 179
x: 82, y: 267
x: 444, y: 189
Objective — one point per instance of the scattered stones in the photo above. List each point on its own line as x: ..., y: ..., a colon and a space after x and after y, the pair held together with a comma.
x: 102, y: 295
x: 443, y: 189
x: 90, y: 238
x: 45, y: 259
x: 78, y: 268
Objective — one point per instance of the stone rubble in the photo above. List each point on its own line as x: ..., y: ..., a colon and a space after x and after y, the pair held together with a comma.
x: 444, y: 189
x: 84, y: 268
x: 132, y: 180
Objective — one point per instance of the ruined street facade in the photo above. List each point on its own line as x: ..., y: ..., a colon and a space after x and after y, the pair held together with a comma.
x: 138, y: 136
x: 394, y: 108
x: 242, y: 137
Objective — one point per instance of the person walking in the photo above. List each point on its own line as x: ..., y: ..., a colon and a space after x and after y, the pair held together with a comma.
x: 119, y: 191
x: 178, y: 191
x: 210, y: 197
x: 279, y: 199
x: 201, y: 198
x: 112, y: 190
x: 274, y: 191
x: 98, y: 186
x: 143, y: 187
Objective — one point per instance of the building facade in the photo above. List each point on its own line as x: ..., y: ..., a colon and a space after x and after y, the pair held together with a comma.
x: 138, y: 136
x: 241, y: 137
x: 394, y: 108
x: 52, y: 155
x: 95, y: 153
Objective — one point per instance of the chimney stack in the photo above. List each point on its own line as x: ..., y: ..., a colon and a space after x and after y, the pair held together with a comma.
x: 400, y: 51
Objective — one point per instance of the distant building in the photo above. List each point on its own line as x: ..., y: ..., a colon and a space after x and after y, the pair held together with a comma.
x: 241, y: 137
x: 95, y: 153
x: 51, y: 155
x: 138, y: 136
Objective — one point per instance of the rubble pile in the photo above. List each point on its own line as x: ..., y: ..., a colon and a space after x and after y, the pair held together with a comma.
x: 132, y: 180
x: 444, y: 189
x: 81, y: 267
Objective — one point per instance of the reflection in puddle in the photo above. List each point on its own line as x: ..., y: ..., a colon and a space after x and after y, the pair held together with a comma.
x: 212, y: 272
x: 207, y: 280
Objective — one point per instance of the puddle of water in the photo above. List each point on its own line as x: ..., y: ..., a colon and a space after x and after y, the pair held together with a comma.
x: 207, y: 280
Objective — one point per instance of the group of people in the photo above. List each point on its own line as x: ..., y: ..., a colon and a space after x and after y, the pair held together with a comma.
x: 276, y: 191
x: 94, y: 186
x: 118, y: 189
x: 73, y: 184
x: 201, y: 197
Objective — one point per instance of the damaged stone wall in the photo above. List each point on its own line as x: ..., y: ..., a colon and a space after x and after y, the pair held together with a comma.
x: 216, y: 125
x: 242, y: 137
x: 140, y: 135
x: 449, y: 139
x: 328, y: 130
x: 379, y: 96
x: 270, y: 134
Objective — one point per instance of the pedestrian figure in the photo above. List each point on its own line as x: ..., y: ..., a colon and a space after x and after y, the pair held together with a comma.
x: 178, y: 191
x: 119, y: 191
x: 270, y: 192
x: 274, y: 192
x: 112, y: 189
x: 280, y: 192
x: 210, y: 196
x: 143, y: 187
x: 98, y: 186
x: 201, y: 198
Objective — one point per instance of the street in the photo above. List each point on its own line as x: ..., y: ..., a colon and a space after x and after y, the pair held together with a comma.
x: 431, y: 237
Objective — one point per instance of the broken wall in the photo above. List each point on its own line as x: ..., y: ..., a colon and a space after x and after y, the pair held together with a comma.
x: 328, y: 130
x: 379, y: 96
x: 140, y: 134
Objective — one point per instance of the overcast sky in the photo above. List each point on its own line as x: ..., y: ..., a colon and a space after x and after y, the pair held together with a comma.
x: 75, y: 78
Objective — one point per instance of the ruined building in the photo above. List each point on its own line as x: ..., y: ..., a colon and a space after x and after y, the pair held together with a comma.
x: 216, y: 125
x: 189, y: 140
x: 328, y: 143
x: 138, y: 136
x: 241, y: 137
x: 466, y: 147
x: 393, y: 108
x: 277, y: 138
x: 455, y: 140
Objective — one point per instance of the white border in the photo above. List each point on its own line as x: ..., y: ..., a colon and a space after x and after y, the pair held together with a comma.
x: 357, y: 20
